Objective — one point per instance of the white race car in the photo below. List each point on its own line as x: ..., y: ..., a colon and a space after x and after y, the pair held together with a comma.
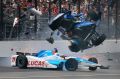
x: 48, y: 59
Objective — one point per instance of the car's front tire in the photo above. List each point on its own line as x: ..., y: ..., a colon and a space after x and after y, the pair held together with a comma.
x: 71, y: 64
x: 74, y: 47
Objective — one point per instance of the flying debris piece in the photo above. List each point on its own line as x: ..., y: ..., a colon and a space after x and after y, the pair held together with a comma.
x: 15, y: 21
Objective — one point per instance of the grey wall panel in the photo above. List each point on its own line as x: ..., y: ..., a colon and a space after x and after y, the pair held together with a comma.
x: 35, y: 46
x: 5, y: 61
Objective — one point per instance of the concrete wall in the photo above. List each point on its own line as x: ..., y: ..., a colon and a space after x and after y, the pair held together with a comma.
x: 5, y: 61
x: 8, y: 48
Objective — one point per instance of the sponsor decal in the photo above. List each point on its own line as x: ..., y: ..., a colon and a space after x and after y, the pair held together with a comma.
x: 13, y: 59
x: 37, y: 63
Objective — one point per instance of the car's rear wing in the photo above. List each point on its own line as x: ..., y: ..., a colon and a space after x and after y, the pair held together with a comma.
x: 25, y: 53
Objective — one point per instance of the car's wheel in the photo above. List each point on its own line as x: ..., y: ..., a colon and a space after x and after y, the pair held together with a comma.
x: 99, y: 40
x: 74, y: 47
x: 71, y: 64
x: 93, y: 59
x: 21, y: 61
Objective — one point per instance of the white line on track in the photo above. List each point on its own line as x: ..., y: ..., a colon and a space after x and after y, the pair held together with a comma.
x: 59, y: 76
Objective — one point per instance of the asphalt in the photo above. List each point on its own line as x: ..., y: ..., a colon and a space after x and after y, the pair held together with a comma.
x: 83, y: 73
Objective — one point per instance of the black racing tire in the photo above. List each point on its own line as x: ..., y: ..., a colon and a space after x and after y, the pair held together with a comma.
x: 71, y: 64
x: 99, y: 40
x: 74, y: 48
x: 22, y: 62
x: 93, y: 59
x: 56, y: 23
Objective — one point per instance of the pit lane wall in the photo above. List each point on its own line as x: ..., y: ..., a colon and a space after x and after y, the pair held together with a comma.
x: 8, y: 48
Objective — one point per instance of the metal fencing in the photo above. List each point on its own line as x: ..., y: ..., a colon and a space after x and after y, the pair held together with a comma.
x: 36, y: 27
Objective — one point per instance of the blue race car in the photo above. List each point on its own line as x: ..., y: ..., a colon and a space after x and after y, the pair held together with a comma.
x: 81, y: 34
x: 49, y: 59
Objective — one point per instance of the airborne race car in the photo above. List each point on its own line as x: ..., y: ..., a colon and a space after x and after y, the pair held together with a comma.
x: 46, y: 59
x: 81, y: 34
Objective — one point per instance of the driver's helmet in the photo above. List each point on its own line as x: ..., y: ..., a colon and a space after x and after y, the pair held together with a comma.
x: 55, y: 52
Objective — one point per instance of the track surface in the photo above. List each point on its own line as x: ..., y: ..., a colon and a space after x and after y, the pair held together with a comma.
x: 15, y: 73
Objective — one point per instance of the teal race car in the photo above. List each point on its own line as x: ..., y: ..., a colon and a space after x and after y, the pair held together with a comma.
x: 50, y: 59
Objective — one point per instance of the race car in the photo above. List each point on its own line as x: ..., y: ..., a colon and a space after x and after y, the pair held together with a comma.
x: 81, y: 34
x: 49, y: 59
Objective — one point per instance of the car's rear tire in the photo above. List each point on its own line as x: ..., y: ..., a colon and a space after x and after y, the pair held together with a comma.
x: 22, y: 61
x: 93, y: 59
x: 71, y: 64
x: 99, y: 40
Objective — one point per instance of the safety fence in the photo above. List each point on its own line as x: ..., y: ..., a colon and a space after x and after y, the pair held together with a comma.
x: 36, y: 27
